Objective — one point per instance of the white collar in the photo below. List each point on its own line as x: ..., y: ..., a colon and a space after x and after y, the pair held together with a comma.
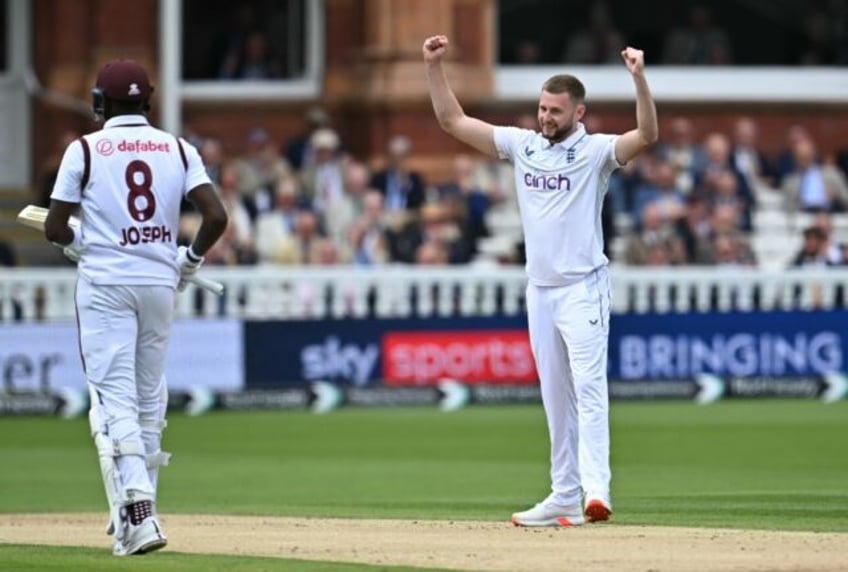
x: 125, y: 120
x: 571, y: 140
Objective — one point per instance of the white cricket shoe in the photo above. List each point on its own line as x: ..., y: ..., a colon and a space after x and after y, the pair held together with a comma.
x: 141, y: 531
x: 549, y: 513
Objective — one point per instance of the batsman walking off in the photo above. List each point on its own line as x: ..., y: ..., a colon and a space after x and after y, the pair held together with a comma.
x: 561, y: 175
x: 127, y: 180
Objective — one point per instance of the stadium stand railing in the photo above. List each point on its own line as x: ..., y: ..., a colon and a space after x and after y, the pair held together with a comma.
x: 258, y: 293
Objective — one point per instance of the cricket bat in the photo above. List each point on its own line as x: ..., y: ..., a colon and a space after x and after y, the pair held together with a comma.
x: 34, y: 217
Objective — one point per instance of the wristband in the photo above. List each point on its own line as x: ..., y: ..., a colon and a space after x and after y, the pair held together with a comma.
x: 192, y: 256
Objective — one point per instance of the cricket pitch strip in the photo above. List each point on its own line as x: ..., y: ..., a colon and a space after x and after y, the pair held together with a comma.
x: 460, y: 545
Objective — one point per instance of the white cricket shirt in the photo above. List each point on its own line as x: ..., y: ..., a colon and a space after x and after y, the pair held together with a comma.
x: 130, y: 207
x: 560, y: 191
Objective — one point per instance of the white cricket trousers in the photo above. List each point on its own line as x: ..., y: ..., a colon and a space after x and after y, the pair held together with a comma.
x: 124, y: 333
x: 569, y: 335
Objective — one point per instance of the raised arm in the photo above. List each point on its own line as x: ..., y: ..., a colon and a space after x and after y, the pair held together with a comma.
x: 630, y: 144
x: 452, y: 118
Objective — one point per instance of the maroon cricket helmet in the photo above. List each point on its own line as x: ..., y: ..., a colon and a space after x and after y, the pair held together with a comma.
x: 124, y: 80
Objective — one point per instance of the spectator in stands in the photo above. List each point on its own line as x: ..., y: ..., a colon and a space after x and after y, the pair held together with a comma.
x: 471, y: 199
x: 251, y: 59
x: 326, y: 252
x: 598, y: 43
x: 323, y: 181
x: 340, y: 212
x: 701, y: 42
x: 724, y: 190
x: 239, y: 237
x: 298, y: 248
x: 431, y: 252
x: 746, y: 156
x: 717, y: 162
x: 275, y: 227
x: 824, y: 34
x: 433, y: 223
x: 834, y: 251
x: 813, y: 186
x: 818, y: 251
x: 259, y: 170
x: 527, y: 52
x: 814, y: 250
x: 310, y: 295
x: 724, y: 220
x: 657, y: 255
x: 498, y: 177
x: 298, y: 150
x: 682, y: 150
x: 402, y: 187
x: 225, y: 251
x: 656, y: 233
x: 367, y: 235
x: 212, y: 154
x: 623, y: 185
x: 662, y: 191
x: 695, y: 229
x: 731, y: 250
x: 785, y: 162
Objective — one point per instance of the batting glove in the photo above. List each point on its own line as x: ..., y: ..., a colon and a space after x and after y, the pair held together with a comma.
x: 188, y: 263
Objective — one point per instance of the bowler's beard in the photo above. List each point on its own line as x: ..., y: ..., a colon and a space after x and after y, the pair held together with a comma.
x: 560, y: 134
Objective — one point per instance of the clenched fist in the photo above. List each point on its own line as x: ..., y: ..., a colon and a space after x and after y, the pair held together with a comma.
x: 435, y: 47
x: 634, y: 59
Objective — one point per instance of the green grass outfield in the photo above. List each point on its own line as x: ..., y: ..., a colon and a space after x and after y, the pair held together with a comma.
x: 741, y: 464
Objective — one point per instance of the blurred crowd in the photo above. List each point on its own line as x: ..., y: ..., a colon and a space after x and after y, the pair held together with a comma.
x: 691, y: 200
x: 308, y: 201
x: 813, y: 33
x: 695, y: 200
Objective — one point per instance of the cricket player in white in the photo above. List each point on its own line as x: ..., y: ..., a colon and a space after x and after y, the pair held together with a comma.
x: 127, y: 180
x: 561, y: 176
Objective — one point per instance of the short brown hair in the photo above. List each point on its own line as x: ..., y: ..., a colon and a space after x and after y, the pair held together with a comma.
x: 565, y: 83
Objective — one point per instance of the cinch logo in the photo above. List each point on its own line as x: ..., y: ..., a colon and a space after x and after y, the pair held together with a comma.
x: 105, y: 147
x: 556, y: 182
x: 143, y: 146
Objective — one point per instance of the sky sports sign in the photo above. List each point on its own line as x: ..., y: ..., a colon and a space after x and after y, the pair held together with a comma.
x: 489, y: 356
x: 399, y: 352
x: 418, y: 352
